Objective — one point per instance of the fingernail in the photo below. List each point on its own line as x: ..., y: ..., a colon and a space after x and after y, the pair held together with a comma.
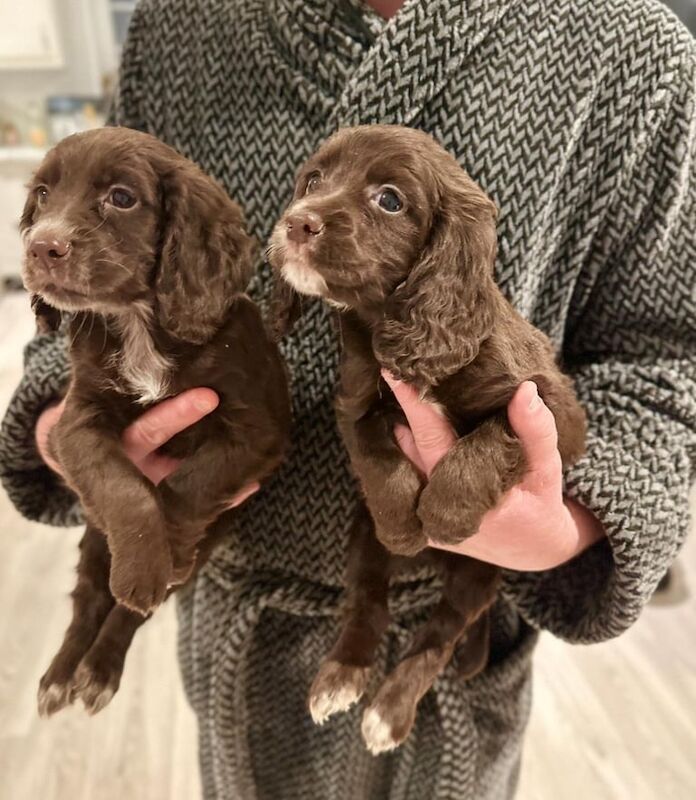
x: 204, y: 403
x: 535, y: 402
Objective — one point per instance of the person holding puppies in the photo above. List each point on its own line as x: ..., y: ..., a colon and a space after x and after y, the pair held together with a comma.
x: 578, y: 123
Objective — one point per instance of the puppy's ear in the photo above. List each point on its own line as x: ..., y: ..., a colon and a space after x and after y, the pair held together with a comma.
x: 48, y: 319
x: 436, y: 319
x: 206, y: 256
x: 285, y: 308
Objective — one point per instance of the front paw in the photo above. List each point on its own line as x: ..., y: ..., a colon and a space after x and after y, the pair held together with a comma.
x: 392, y: 501
x: 401, y: 536
x: 140, y: 579
x: 446, y: 517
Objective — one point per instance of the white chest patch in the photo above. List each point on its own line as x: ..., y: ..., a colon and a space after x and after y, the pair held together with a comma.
x: 144, y: 369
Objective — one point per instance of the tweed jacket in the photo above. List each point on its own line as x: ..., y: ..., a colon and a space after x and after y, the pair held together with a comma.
x: 578, y: 118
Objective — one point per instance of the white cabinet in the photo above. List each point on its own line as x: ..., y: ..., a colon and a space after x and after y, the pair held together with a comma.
x: 29, y: 37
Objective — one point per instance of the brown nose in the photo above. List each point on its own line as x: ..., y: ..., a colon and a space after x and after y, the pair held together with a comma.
x: 303, y: 226
x: 51, y: 252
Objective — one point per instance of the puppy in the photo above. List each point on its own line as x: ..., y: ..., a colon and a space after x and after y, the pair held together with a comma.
x: 386, y: 226
x: 149, y: 258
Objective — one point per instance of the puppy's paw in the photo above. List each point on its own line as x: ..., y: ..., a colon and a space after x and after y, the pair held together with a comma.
x: 448, y: 519
x: 336, y: 688
x: 408, y: 540
x: 387, y: 722
x: 377, y: 732
x: 140, y: 580
x: 96, y: 682
x: 54, y: 696
x: 392, y: 500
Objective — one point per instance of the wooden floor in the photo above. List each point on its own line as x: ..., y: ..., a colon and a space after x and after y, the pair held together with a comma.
x: 611, y: 722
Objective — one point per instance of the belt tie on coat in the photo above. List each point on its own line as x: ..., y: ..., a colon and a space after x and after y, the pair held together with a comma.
x: 248, y: 595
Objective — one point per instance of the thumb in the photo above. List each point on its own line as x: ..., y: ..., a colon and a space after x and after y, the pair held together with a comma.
x: 534, y: 424
x: 432, y: 432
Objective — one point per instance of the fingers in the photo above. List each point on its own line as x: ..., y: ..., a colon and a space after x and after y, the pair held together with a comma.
x: 432, y: 433
x: 535, y: 426
x: 163, y: 421
x: 47, y: 419
x: 404, y: 438
x: 244, y: 494
x: 157, y: 467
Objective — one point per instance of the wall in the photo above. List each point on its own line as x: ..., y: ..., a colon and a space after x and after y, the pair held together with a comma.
x: 84, y: 28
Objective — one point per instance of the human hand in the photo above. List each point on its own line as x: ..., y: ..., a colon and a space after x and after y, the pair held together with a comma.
x: 149, y: 432
x: 533, y: 527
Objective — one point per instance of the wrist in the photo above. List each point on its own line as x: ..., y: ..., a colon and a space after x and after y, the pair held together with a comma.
x: 585, y: 528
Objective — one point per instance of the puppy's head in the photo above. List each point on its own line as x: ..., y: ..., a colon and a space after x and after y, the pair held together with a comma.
x: 115, y: 217
x: 385, y: 221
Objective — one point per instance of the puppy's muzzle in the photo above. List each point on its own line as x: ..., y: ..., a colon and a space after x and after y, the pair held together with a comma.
x: 50, y: 252
x: 304, y: 226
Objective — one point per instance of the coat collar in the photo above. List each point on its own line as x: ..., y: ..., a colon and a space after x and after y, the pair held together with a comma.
x: 412, y: 58
x: 361, y: 68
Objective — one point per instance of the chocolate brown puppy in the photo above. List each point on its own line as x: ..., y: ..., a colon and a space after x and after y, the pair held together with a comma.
x: 389, y: 229
x: 148, y: 259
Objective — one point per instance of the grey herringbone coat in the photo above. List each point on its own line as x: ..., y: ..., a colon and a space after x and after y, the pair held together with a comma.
x: 578, y: 118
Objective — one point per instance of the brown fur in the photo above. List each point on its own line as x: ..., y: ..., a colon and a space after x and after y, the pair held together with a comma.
x: 417, y: 296
x: 153, y: 289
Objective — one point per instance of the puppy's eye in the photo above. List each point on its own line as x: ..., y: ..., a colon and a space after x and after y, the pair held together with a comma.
x: 121, y: 198
x: 389, y: 200
x: 313, y: 182
x: 41, y: 194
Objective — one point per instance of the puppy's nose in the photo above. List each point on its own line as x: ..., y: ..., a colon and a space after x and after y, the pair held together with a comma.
x: 51, y: 252
x: 303, y: 226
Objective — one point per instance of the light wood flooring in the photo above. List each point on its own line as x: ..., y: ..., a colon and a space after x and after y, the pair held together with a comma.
x: 615, y: 721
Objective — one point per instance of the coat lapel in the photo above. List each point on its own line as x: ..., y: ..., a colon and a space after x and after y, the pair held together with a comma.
x: 412, y: 59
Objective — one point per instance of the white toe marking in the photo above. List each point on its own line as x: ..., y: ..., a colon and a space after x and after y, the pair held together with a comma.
x: 328, y: 703
x: 100, y: 701
x: 53, y: 698
x: 377, y: 733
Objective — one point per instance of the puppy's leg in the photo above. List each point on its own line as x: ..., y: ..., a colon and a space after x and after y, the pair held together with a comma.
x: 470, y: 588
x: 92, y: 602
x: 390, y: 482
x: 123, y: 503
x: 469, y: 480
x: 343, y: 675
x: 98, y: 675
x: 201, y: 489
x: 473, y: 652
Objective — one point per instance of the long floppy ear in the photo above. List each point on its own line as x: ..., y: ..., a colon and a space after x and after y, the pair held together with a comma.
x: 436, y: 319
x: 206, y: 256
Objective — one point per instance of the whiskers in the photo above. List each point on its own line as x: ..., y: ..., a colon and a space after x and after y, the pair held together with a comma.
x: 113, y: 264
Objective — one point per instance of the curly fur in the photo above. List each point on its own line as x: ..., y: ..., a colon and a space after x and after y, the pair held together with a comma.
x: 418, y: 296
x: 155, y: 297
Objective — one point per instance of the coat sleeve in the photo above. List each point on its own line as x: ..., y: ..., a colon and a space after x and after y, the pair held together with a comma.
x: 34, y: 489
x: 633, y: 356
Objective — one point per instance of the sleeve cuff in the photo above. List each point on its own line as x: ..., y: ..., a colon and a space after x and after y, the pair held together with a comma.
x: 36, y: 491
x: 601, y: 592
